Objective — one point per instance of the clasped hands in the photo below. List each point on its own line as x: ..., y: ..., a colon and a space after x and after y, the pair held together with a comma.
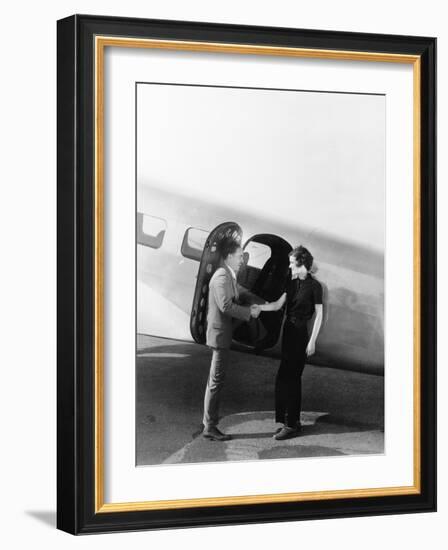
x: 255, y: 310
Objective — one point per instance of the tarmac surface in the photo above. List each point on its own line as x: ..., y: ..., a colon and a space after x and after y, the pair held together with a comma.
x: 343, y: 412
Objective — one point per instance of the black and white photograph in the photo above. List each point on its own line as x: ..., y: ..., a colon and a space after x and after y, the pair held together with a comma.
x: 260, y: 259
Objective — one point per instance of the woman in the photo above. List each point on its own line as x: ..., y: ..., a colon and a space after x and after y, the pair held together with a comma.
x: 303, y: 298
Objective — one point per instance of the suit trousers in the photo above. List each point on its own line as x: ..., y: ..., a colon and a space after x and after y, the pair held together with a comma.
x: 288, y: 383
x: 215, y: 383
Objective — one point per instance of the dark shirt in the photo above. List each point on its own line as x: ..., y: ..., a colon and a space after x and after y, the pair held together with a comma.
x: 301, y: 297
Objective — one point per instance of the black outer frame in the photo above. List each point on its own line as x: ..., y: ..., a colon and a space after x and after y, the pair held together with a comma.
x: 75, y: 294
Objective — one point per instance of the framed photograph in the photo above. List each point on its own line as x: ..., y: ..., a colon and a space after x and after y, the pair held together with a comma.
x: 246, y: 274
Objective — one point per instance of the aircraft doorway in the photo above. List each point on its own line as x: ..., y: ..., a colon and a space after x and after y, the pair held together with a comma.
x: 264, y: 274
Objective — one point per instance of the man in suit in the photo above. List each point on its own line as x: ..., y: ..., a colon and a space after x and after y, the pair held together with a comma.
x: 223, y: 306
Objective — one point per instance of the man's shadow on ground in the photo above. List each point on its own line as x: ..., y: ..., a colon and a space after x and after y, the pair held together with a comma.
x: 324, y: 424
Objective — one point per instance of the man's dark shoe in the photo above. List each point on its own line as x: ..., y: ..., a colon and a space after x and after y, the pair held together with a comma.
x: 286, y: 433
x: 215, y: 435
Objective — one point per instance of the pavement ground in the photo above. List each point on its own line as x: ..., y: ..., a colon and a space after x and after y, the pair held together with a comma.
x: 343, y: 411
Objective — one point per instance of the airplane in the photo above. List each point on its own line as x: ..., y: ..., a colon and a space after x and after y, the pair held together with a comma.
x: 175, y: 256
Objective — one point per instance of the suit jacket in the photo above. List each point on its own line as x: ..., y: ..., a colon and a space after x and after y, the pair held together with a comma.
x: 223, y: 296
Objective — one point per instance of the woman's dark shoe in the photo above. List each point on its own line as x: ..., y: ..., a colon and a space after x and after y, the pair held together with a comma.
x: 278, y: 430
x: 287, y: 432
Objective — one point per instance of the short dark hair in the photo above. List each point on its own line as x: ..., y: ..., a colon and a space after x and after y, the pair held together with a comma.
x: 228, y: 246
x: 302, y: 256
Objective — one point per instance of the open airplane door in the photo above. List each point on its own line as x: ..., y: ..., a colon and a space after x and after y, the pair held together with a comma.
x: 210, y: 261
x: 265, y: 275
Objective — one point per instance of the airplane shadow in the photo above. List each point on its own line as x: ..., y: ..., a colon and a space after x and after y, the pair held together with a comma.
x: 298, y: 452
x: 323, y: 429
x: 325, y: 424
x: 261, y: 435
x: 170, y: 381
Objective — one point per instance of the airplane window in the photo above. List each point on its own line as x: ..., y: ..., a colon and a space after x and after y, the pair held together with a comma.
x: 193, y: 243
x: 150, y: 230
x: 259, y: 254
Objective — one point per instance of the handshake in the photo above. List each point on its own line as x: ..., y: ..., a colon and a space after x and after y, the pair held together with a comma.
x: 255, y: 310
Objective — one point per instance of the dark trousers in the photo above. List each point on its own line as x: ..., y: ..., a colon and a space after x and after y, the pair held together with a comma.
x: 288, y: 384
